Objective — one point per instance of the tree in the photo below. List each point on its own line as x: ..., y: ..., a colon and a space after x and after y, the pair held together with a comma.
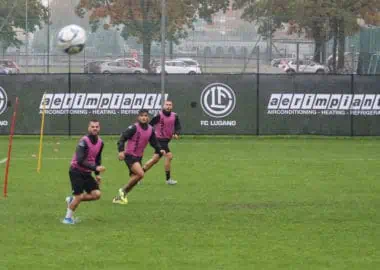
x: 106, y: 41
x: 300, y: 16
x: 12, y: 17
x: 320, y: 20
x: 142, y: 18
x: 39, y: 43
x: 63, y: 13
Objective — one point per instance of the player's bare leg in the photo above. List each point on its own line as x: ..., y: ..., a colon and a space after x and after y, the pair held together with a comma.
x: 137, y: 175
x: 73, y: 203
x: 167, y: 166
x: 93, y: 196
x: 150, y: 163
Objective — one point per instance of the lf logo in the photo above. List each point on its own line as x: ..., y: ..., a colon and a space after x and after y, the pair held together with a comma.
x: 218, y: 100
x: 3, y: 100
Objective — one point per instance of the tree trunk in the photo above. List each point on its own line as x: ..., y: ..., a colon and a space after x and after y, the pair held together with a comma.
x: 342, y: 43
x: 335, y: 44
x: 171, y: 48
x: 323, y: 52
x: 318, y: 49
x: 147, y: 43
x: 318, y: 41
x: 146, y: 34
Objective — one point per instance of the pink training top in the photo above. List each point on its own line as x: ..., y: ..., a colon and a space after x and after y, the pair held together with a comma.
x: 93, y: 151
x: 165, y: 128
x: 136, y: 145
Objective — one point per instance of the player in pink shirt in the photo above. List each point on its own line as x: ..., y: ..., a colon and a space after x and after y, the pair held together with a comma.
x: 137, y: 137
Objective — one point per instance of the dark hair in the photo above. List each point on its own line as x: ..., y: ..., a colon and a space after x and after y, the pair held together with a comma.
x: 168, y: 100
x: 94, y: 121
x: 142, y: 111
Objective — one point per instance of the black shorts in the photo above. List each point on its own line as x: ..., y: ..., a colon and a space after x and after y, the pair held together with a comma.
x: 130, y: 160
x: 164, y: 146
x: 82, y: 181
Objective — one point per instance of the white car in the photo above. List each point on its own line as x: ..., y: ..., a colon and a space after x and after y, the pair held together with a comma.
x: 306, y: 66
x: 130, y: 62
x: 189, y: 61
x: 280, y: 61
x: 179, y: 67
x: 284, y: 64
x: 4, y: 70
x: 119, y: 67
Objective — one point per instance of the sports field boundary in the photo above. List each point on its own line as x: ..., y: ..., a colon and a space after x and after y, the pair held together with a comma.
x: 211, y: 137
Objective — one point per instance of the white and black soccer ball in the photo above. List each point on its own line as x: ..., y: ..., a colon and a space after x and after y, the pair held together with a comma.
x: 72, y: 39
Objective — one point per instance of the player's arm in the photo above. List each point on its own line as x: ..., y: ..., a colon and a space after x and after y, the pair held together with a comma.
x: 155, y: 120
x: 154, y: 142
x: 98, y: 160
x: 81, y: 154
x: 177, y: 127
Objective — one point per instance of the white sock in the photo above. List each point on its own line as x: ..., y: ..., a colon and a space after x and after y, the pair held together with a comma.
x: 69, y: 213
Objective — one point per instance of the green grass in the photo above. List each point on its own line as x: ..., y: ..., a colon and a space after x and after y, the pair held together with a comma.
x: 242, y: 203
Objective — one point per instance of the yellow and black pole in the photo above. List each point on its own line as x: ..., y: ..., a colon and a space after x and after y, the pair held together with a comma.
x: 41, y: 132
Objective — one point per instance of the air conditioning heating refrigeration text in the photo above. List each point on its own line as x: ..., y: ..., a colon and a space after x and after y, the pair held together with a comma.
x: 324, y: 104
x: 105, y: 103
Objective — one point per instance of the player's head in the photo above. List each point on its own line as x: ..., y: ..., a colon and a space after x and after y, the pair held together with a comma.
x: 168, y: 106
x: 93, y: 127
x: 143, y: 116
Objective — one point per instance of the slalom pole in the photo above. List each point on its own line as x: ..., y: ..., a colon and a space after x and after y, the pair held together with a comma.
x: 41, y: 133
x: 10, y: 148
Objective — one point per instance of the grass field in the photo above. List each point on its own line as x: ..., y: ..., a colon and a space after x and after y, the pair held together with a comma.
x: 241, y: 203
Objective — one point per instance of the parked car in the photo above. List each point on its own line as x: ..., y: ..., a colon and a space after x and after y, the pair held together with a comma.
x: 130, y: 62
x: 4, y: 70
x: 93, y: 67
x: 190, y: 62
x: 10, y: 65
x: 279, y: 62
x: 306, y: 66
x: 179, y: 67
x: 154, y: 64
x: 119, y: 67
x: 275, y: 62
x: 284, y: 64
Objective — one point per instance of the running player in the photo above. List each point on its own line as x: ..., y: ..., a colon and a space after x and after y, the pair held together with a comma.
x: 167, y: 126
x: 137, y: 137
x: 86, y: 159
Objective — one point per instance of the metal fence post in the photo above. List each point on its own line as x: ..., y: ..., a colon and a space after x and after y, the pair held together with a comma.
x: 351, y: 115
x: 298, y: 56
x: 258, y: 59
x: 258, y: 92
x: 69, y: 84
x: 353, y: 59
x: 163, y: 51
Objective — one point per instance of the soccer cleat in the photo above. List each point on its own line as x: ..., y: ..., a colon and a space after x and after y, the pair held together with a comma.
x: 69, y: 221
x: 119, y: 200
x: 69, y: 199
x: 122, y: 194
x: 171, y: 182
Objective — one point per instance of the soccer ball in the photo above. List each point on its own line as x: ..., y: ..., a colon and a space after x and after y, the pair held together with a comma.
x: 72, y: 39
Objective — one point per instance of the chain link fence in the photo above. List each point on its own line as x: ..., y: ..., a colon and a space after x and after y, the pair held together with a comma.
x: 226, y: 44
